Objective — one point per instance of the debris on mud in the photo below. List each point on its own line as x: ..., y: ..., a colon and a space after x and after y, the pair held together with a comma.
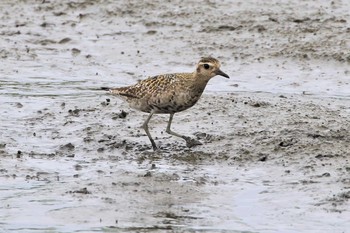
x: 80, y: 191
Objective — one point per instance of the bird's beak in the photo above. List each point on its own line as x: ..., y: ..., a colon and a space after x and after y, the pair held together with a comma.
x: 219, y: 72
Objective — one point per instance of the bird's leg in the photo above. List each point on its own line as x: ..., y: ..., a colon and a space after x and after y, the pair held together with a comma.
x: 189, y: 141
x: 168, y: 130
x: 145, y: 127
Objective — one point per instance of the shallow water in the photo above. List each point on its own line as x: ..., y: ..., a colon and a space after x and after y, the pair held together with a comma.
x: 228, y: 198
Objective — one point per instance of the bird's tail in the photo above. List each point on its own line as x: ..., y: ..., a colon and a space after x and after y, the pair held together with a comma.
x: 106, y: 88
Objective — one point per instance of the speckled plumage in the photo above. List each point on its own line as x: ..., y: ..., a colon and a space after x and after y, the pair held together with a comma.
x: 170, y: 93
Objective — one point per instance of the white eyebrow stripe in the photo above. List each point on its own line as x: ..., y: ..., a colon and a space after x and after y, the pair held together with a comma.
x: 202, y: 63
x: 209, y: 63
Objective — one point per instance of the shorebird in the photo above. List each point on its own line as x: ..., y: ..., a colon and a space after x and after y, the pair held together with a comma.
x: 169, y: 94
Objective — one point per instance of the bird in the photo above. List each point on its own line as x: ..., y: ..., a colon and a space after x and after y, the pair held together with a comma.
x: 169, y: 94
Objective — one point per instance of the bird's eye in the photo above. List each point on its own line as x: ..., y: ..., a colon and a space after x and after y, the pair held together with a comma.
x: 206, y: 66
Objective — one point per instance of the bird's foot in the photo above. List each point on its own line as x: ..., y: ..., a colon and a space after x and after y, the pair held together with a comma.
x: 190, y: 142
x: 155, y: 148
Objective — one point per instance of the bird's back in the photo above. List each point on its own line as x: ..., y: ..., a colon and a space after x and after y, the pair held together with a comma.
x: 167, y: 93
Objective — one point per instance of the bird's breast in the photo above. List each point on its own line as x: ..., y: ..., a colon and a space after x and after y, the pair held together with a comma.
x: 173, y: 102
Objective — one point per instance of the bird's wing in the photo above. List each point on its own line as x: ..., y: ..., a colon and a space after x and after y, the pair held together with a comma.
x: 151, y: 86
x: 157, y: 84
x: 129, y: 92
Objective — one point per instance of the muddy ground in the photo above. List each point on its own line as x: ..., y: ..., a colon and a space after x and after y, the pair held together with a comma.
x: 276, y: 142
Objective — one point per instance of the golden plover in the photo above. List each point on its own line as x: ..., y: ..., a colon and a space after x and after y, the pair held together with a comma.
x: 169, y: 94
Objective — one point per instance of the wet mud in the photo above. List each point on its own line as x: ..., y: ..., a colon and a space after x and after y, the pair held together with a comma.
x: 275, y: 137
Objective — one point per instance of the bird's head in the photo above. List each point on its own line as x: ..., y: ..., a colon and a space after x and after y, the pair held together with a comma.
x: 209, y: 67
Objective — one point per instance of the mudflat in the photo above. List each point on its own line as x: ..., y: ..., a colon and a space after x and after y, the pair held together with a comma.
x: 276, y: 142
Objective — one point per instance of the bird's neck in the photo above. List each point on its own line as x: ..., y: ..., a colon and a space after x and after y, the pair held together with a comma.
x: 199, y: 82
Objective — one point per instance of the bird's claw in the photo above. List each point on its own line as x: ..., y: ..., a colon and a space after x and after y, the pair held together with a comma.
x: 190, y: 142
